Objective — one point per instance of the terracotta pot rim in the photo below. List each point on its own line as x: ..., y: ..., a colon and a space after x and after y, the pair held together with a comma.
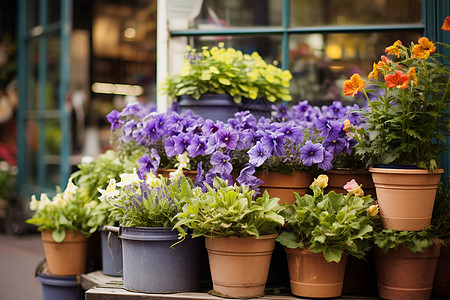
x: 346, y: 171
x: 234, y: 237
x: 405, y: 171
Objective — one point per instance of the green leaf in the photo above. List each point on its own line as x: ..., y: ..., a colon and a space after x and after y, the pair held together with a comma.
x: 288, y: 239
x: 59, y: 235
x: 332, y: 254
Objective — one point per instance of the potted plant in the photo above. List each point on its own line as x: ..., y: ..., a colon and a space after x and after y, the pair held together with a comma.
x: 405, y: 263
x: 322, y: 229
x: 405, y: 131
x: 154, y: 260
x: 229, y: 73
x: 240, y: 233
x: 65, y: 222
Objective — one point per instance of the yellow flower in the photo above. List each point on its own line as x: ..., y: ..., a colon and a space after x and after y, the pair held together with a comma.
x: 372, y: 210
x: 394, y: 50
x: 321, y: 181
x: 423, y: 49
x: 375, y: 72
x: 412, y: 73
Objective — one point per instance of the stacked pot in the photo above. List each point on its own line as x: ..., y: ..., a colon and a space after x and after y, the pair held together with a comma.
x: 406, y: 199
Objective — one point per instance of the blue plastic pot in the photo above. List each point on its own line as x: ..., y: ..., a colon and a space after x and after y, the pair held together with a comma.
x: 60, y: 287
x: 111, y: 254
x: 210, y: 106
x: 150, y: 265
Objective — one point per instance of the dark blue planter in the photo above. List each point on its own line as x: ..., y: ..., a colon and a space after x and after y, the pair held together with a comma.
x: 150, y: 265
x: 210, y: 106
x: 111, y: 254
x: 258, y: 107
x: 60, y: 287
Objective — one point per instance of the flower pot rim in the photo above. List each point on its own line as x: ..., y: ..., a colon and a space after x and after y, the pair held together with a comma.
x: 236, y: 237
x: 405, y: 171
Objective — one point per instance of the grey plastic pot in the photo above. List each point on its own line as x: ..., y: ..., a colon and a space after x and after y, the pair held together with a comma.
x: 60, y: 287
x: 210, y: 106
x: 150, y: 265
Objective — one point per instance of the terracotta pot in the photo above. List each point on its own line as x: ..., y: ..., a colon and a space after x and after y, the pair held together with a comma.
x: 283, y: 185
x: 240, y: 265
x: 191, y: 174
x: 403, y: 274
x: 405, y: 197
x: 312, y: 276
x: 441, y: 285
x: 68, y: 257
x: 338, y: 178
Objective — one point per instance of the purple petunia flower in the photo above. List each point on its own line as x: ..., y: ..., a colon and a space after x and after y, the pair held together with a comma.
x: 227, y: 138
x: 311, y: 153
x: 181, y: 142
x: 128, y: 128
x: 175, y: 123
x: 281, y: 112
x: 258, y: 154
x: 221, y: 163
x: 199, y: 176
x: 334, y: 145
x: 146, y: 165
x: 274, y: 143
x: 326, y: 163
x: 247, y: 178
x: 151, y: 130
x: 209, y: 127
x: 114, y: 118
x: 169, y: 147
x: 132, y: 109
x: 197, y: 146
x: 292, y: 132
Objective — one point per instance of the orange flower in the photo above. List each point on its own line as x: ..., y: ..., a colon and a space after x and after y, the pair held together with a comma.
x: 393, y: 50
x: 385, y: 59
x: 353, y: 85
x: 412, y: 73
x: 423, y: 49
x: 398, y: 79
x: 375, y: 72
x: 446, y: 25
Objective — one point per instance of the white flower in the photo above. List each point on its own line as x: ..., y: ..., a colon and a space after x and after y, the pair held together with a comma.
x: 129, y: 179
x: 34, y: 204
x: 152, y: 180
x: 70, y: 190
x: 44, y: 202
x: 59, y: 201
x: 110, y: 191
x: 175, y: 175
x: 183, y: 159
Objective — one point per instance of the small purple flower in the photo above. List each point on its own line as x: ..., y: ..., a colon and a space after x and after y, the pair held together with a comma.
x: 326, y: 163
x: 146, y: 165
x: 274, y: 143
x: 169, y: 147
x: 246, y: 176
x: 157, y: 159
x: 175, y: 123
x: 128, y: 128
x: 336, y: 110
x: 197, y: 146
x: 199, y: 177
x: 311, y: 153
x: 181, y: 142
x: 334, y: 145
x: 209, y: 127
x: 281, y: 112
x: 151, y: 130
x: 258, y: 154
x: 221, y: 163
x: 227, y: 138
x: 292, y: 132
x: 132, y: 109
x: 114, y: 118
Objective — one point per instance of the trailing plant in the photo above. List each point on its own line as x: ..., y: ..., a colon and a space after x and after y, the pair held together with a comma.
x: 230, y: 211
x: 440, y: 221
x: 332, y: 224
x: 67, y: 210
x: 221, y: 70
x: 416, y: 241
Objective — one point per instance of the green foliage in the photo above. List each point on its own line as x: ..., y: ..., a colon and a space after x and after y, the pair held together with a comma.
x: 66, y: 211
x: 230, y: 211
x: 97, y: 173
x: 222, y: 70
x: 440, y: 222
x: 328, y: 223
x: 407, y: 125
x: 415, y: 241
x: 153, y: 202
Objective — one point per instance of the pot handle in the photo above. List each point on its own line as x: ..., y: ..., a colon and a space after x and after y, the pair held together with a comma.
x: 112, y: 228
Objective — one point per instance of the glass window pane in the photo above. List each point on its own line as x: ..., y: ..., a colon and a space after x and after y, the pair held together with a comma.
x: 220, y: 14
x: 320, y: 63
x: 32, y: 74
x: 32, y: 14
x: 354, y: 12
x: 269, y: 47
x: 53, y: 11
x: 53, y: 45
x: 31, y: 139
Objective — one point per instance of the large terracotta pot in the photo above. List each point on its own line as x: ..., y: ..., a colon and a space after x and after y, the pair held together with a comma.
x: 441, y: 285
x: 403, y: 274
x: 283, y: 185
x: 240, y: 265
x: 312, y: 276
x: 338, y: 178
x: 68, y: 257
x: 405, y: 197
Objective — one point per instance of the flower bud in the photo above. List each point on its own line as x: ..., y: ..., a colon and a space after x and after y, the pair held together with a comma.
x: 354, y: 188
x: 321, y: 181
x: 372, y: 210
